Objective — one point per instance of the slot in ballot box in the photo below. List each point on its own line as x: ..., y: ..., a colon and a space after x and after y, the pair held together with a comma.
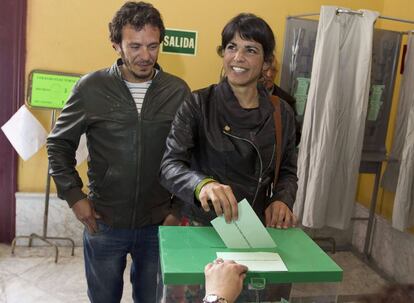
x: 184, y: 251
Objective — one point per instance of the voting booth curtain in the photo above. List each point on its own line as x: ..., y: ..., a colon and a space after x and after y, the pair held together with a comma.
x: 334, y: 120
x: 406, y: 100
x: 401, y: 166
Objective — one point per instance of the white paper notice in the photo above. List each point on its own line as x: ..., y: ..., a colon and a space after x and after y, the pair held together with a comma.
x: 25, y: 133
x: 82, y: 151
x: 256, y: 261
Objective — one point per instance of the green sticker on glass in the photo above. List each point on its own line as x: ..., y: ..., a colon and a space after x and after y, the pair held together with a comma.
x: 301, y: 94
x: 375, y: 102
x: 257, y: 283
x: 376, y: 93
x: 50, y: 90
x: 302, y: 87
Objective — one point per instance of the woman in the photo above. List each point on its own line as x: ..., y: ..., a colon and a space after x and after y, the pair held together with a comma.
x: 221, y: 147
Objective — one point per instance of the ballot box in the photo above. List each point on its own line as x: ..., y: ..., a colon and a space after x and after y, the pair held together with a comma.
x: 184, y: 251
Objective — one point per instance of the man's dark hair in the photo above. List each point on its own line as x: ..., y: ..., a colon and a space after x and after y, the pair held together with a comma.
x: 136, y: 14
x: 249, y: 27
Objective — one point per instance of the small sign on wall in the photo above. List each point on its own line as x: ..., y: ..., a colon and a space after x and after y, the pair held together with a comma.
x: 178, y: 41
x: 50, y: 90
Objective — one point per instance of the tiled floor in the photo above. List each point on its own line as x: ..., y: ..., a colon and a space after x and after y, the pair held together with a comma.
x: 32, y: 276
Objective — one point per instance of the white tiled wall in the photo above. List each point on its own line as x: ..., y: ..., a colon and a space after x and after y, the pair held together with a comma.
x: 61, y: 220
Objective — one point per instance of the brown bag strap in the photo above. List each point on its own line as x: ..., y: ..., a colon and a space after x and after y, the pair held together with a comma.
x: 277, y: 117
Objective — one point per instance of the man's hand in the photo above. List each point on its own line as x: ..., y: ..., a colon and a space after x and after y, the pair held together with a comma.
x: 279, y: 215
x: 224, y: 279
x: 171, y: 220
x: 222, y: 198
x: 85, y: 213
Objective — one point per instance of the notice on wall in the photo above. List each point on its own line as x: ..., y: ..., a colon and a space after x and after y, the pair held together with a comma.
x: 25, y: 133
x: 179, y: 41
x: 50, y: 90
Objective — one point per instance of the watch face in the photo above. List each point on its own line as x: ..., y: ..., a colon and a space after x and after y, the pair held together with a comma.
x: 211, y: 298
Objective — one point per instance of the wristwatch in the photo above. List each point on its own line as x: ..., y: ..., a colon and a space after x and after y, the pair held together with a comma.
x: 214, y: 299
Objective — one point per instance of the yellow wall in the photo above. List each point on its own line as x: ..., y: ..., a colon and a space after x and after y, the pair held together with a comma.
x: 72, y: 36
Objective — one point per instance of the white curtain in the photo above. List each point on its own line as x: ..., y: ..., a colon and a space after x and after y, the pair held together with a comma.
x: 390, y: 178
x: 334, y: 121
x: 403, y: 211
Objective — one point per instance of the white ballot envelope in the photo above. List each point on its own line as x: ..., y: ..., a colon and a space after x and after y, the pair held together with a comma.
x: 256, y: 261
x: 248, y: 232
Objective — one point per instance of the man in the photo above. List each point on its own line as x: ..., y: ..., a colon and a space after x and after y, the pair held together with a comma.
x: 269, y: 76
x: 125, y: 111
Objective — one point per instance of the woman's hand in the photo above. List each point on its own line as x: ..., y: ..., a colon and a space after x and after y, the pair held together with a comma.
x: 222, y: 198
x: 279, y: 215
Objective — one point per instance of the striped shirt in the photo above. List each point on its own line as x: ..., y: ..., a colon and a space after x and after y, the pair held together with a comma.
x: 138, y: 91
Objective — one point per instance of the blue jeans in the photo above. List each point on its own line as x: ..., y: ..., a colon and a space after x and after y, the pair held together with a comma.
x: 105, y: 255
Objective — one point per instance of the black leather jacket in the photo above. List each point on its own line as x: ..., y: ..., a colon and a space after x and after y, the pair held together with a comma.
x: 125, y: 148
x: 198, y: 147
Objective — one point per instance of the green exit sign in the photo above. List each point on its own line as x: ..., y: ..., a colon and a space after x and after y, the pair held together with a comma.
x: 178, y: 41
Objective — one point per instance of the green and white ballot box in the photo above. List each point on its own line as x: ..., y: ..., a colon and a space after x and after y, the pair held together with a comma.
x: 184, y: 251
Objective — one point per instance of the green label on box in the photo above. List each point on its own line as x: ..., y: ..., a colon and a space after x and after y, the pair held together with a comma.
x: 50, y: 90
x: 177, y: 41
